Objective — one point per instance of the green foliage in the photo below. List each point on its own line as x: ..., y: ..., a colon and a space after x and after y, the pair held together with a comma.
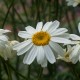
x: 17, y: 14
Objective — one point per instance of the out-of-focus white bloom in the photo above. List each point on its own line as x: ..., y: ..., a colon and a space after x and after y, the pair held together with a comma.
x: 67, y: 57
x: 3, y: 37
x: 73, y: 3
x: 75, y: 55
x: 6, y: 50
x: 41, y: 43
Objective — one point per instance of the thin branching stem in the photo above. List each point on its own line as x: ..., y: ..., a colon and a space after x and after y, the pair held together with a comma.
x: 22, y: 3
x: 28, y: 74
x: 12, y: 68
x: 7, y: 13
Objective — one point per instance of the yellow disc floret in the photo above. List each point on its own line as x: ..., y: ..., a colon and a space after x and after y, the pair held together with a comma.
x: 41, y: 38
x: 66, y: 55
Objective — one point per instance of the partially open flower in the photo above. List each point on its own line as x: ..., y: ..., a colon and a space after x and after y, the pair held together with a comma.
x: 71, y: 55
x: 66, y: 55
x: 75, y: 54
x: 6, y: 50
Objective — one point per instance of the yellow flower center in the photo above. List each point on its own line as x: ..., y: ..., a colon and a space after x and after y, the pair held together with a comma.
x: 66, y: 55
x: 41, y: 38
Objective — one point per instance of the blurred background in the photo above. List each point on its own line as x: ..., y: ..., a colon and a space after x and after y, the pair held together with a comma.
x: 15, y: 15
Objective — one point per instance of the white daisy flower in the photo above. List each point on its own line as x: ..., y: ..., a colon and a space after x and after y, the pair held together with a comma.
x: 6, y: 50
x: 75, y: 55
x: 73, y: 3
x: 41, y: 43
x: 67, y: 56
x: 3, y: 37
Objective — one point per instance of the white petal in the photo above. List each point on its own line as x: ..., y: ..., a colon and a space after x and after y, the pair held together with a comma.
x: 24, y: 34
x: 57, y: 48
x: 8, y: 51
x: 49, y: 54
x: 21, y: 45
x: 79, y: 58
x: 65, y: 35
x: 70, y: 2
x: 6, y: 30
x: 30, y: 29
x: 3, y: 38
x: 46, y: 26
x: 59, y: 31
x: 2, y: 45
x: 40, y: 55
x: 3, y: 31
x: 32, y: 55
x: 79, y: 27
x: 39, y: 26
x: 74, y: 42
x: 74, y: 37
x: 44, y: 64
x: 69, y: 48
x: 53, y: 26
x: 75, y: 59
x: 75, y: 51
x: 26, y: 55
x: 24, y: 49
x: 75, y: 4
x: 60, y: 40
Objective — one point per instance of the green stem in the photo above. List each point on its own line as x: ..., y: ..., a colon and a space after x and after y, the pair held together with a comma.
x: 74, y: 21
x: 67, y: 18
x: 15, y: 37
x: 9, y: 72
x: 72, y: 67
x: 12, y: 68
x: 16, y: 13
x: 56, y: 7
x: 60, y: 11
x: 19, y: 17
x: 40, y: 74
x: 17, y: 67
x: 7, y: 13
x: 23, y: 5
x: 13, y: 21
x: 28, y: 74
x: 38, y: 10
x: 7, y: 69
x: 49, y: 11
x: 16, y: 71
x: 0, y: 70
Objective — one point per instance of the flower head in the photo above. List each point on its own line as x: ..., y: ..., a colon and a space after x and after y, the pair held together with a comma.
x: 75, y: 55
x: 41, y: 43
x: 6, y: 50
x: 73, y: 3
x: 67, y: 56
